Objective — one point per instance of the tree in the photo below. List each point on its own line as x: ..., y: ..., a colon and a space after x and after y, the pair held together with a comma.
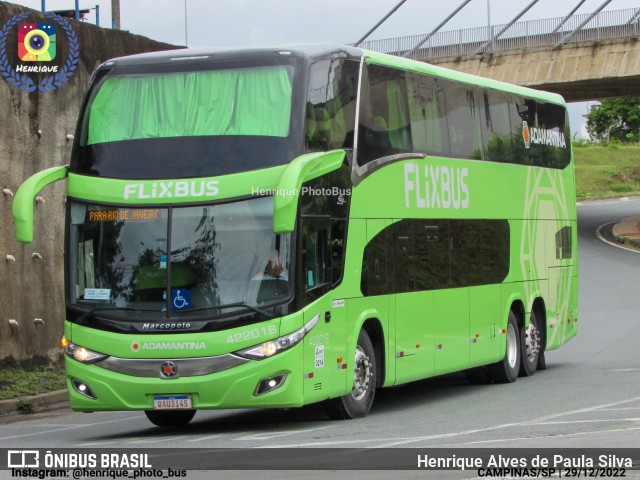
x: 615, y: 119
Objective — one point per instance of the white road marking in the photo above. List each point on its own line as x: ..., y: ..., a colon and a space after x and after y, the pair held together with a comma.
x: 101, y: 443
x: 73, y: 427
x: 267, y: 436
x: 613, y: 244
x: 206, y: 437
x: 177, y: 438
x: 403, y: 441
x: 588, y: 409
x: 543, y: 437
x: 618, y: 409
x: 567, y: 422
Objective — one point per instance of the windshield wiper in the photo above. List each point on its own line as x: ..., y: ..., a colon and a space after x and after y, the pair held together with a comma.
x: 236, y: 304
x: 81, y: 319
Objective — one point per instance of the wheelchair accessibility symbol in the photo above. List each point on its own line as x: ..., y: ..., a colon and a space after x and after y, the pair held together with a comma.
x: 180, y: 299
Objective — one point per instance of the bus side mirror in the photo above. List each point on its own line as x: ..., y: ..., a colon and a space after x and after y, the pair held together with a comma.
x: 25, y: 197
x: 302, y: 169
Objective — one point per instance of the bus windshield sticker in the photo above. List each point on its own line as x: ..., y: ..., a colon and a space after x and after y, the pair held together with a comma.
x: 180, y: 299
x: 97, y: 293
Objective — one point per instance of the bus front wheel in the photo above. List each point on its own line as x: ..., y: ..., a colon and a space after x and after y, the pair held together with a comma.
x: 507, y: 369
x: 357, y: 403
x: 170, y: 418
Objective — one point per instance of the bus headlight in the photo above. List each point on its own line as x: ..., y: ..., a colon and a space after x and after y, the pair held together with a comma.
x: 271, y: 347
x: 83, y: 355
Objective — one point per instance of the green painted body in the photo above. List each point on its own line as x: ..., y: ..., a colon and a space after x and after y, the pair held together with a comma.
x: 25, y: 197
x: 424, y: 333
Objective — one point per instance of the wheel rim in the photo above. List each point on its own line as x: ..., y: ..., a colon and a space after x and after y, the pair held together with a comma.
x: 512, y: 346
x: 532, y: 342
x: 361, y: 374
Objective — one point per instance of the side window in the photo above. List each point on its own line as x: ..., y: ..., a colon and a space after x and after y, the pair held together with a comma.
x: 377, y: 277
x: 553, y: 138
x: 464, y: 121
x: 331, y: 105
x: 563, y: 243
x: 404, y: 256
x: 497, y: 127
x: 432, y: 254
x: 324, y: 204
x: 521, y: 110
x: 545, y: 139
x: 316, y: 256
x: 427, y: 114
x: 417, y: 255
x: 384, y: 128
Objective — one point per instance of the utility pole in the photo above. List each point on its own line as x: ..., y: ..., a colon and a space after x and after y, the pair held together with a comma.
x: 115, y: 14
x: 186, y: 30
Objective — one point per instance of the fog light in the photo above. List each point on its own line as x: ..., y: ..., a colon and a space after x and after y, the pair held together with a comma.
x: 267, y: 385
x: 83, y: 389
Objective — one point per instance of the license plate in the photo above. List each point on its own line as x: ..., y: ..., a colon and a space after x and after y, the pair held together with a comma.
x: 171, y: 402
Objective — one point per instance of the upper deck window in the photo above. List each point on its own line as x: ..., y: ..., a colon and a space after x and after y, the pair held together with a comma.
x: 247, y: 101
x: 192, y: 119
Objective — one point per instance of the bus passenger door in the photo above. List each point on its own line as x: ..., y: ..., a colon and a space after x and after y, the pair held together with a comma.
x: 325, y: 343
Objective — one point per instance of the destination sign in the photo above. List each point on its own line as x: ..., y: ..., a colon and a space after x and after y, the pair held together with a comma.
x: 119, y: 214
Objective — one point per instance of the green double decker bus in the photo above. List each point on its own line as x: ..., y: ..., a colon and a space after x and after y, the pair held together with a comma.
x: 274, y: 228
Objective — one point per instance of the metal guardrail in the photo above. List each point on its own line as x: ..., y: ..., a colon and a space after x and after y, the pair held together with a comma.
x: 532, y: 33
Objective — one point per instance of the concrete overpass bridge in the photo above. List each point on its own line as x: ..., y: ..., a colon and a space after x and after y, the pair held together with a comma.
x: 584, y: 57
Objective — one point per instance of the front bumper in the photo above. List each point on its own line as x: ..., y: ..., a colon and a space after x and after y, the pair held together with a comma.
x: 230, y: 388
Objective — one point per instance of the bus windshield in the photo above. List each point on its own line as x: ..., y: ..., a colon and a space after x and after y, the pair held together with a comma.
x: 138, y: 122
x: 177, y: 262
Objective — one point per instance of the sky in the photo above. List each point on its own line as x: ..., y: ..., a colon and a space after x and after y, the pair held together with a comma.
x: 280, y: 22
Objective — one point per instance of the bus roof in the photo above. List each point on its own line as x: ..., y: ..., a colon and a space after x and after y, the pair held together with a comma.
x: 407, y: 64
x: 318, y: 52
x: 311, y: 52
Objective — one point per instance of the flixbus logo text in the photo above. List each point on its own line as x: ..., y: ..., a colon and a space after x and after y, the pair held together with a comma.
x: 436, y: 186
x: 172, y: 189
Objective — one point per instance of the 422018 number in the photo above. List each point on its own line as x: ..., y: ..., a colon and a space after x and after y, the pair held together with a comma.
x: 252, y: 334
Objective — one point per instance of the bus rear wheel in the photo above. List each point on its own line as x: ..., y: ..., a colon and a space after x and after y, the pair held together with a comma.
x: 507, y: 369
x: 530, y: 348
x: 357, y: 404
x: 170, y: 418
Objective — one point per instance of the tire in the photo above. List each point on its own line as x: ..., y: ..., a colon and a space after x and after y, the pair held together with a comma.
x: 507, y: 369
x: 170, y: 418
x: 542, y: 361
x: 357, y: 403
x: 530, y: 347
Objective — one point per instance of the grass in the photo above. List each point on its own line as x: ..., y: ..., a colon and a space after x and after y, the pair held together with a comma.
x: 607, y: 171
x: 18, y: 382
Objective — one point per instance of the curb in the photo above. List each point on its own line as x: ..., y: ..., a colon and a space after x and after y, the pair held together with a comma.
x: 627, y: 232
x: 41, y: 400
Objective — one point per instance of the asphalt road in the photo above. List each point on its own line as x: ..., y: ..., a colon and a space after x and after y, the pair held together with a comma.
x: 588, y: 397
